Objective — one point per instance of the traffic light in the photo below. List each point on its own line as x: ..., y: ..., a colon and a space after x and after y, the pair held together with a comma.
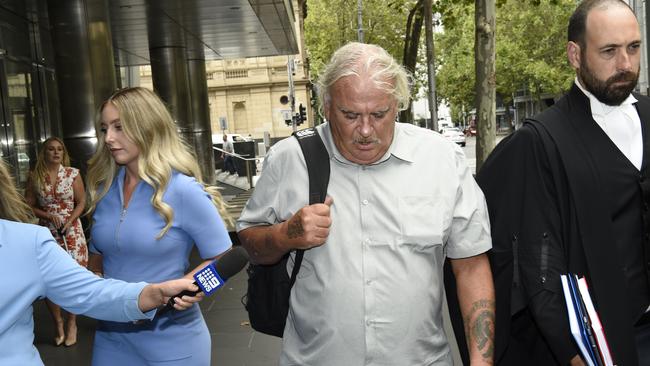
x: 302, y: 114
x: 288, y: 117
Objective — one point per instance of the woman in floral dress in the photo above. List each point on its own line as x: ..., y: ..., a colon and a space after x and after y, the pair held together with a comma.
x: 56, y: 194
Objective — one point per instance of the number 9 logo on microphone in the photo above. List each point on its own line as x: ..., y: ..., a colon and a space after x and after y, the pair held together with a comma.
x: 208, y: 279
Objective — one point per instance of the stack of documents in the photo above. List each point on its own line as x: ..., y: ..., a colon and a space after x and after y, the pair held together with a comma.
x: 584, y: 322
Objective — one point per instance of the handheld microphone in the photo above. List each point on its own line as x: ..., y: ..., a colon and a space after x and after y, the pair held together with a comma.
x: 214, y: 275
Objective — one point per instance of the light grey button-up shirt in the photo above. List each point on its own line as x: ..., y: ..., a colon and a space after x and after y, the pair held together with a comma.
x: 372, y: 294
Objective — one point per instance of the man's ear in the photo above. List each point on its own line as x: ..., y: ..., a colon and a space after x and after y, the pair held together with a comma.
x: 573, y: 54
x: 326, y: 111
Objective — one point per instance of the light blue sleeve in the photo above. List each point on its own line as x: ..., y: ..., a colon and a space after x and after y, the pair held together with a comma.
x: 201, y: 220
x: 470, y: 227
x: 79, y: 291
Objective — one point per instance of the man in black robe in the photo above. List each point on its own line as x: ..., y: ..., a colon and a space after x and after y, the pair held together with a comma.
x: 569, y: 193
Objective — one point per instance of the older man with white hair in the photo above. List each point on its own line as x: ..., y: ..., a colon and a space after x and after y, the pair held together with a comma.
x: 400, y: 200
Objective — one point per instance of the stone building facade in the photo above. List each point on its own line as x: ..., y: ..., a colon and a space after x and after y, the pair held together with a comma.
x: 252, y: 94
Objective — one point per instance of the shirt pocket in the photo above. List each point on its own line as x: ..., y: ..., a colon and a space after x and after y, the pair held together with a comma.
x: 421, y: 220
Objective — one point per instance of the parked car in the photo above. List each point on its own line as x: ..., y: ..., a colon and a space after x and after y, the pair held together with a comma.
x: 217, y: 138
x: 470, y: 131
x: 454, y: 134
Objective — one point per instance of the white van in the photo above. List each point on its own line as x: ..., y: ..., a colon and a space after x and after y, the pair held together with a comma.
x: 217, y: 138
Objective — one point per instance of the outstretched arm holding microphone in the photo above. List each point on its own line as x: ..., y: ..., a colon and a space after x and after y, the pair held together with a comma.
x: 33, y: 266
x: 208, y: 279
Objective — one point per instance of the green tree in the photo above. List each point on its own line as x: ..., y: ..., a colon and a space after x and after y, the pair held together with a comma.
x: 455, y: 57
x: 331, y: 24
x: 530, y: 50
x: 484, y: 61
x: 395, y: 25
x: 531, y: 54
x: 412, y: 43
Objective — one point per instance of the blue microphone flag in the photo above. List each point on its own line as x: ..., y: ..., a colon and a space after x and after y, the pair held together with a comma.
x: 208, y: 279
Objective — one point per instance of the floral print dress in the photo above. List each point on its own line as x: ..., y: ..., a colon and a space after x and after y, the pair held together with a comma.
x: 58, y: 199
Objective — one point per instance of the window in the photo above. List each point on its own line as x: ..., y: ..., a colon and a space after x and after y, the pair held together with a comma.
x: 237, y: 74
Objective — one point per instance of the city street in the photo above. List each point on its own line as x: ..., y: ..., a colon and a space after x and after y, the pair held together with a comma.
x: 470, y: 150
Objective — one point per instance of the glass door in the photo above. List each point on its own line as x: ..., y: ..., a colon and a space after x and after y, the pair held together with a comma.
x: 18, y: 135
x: 20, y: 113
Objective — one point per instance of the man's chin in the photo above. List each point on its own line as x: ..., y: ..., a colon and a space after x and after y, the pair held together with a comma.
x: 364, y: 156
x: 618, y: 97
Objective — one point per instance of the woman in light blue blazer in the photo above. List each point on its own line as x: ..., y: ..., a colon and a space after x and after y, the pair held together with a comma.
x: 33, y: 266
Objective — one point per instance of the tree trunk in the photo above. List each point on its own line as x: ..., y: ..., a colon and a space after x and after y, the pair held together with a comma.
x: 431, y: 70
x: 407, y: 115
x: 411, y: 43
x: 484, y: 53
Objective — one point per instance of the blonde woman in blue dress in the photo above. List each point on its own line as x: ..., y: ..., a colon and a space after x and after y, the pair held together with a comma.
x: 149, y: 207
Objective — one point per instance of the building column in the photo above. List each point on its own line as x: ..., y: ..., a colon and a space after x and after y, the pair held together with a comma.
x: 85, y: 70
x: 167, y: 52
x: 201, y: 126
x: 178, y: 76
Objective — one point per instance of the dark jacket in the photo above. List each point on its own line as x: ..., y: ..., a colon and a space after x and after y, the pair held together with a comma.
x: 542, y: 187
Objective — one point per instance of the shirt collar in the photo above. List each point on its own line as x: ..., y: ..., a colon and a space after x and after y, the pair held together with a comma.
x: 401, y: 147
x: 599, y: 108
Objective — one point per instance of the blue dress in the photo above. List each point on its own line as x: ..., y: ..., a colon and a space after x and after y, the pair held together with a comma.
x: 32, y: 266
x: 127, y: 240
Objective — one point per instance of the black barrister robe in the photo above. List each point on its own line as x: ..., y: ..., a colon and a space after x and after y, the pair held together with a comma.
x: 548, y: 218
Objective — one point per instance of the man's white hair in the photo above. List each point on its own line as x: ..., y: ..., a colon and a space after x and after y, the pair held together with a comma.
x: 356, y: 59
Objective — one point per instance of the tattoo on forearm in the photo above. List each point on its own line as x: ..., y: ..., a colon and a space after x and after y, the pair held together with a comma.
x: 479, y: 327
x: 294, y: 227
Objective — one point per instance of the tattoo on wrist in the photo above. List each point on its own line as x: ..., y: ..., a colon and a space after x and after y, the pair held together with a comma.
x: 294, y: 227
x: 479, y: 327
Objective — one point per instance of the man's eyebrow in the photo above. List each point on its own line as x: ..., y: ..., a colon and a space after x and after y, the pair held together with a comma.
x: 343, y: 110
x: 382, y: 111
x: 346, y: 111
x: 618, y: 45
x: 610, y: 45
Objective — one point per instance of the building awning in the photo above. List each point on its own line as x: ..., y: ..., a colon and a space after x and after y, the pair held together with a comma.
x: 221, y: 29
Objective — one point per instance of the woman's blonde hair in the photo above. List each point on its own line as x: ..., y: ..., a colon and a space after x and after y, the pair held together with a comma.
x: 147, y: 123
x: 40, y: 171
x: 12, y: 204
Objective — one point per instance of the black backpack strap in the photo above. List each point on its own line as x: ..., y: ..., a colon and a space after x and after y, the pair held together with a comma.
x: 318, y: 169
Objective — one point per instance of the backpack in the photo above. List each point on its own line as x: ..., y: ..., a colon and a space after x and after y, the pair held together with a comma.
x: 269, y: 286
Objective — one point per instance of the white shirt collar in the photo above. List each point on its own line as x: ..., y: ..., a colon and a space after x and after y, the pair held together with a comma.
x: 621, y: 124
x: 599, y: 108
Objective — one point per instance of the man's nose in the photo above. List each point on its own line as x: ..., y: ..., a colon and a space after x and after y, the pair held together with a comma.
x: 365, y: 128
x: 624, y: 61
